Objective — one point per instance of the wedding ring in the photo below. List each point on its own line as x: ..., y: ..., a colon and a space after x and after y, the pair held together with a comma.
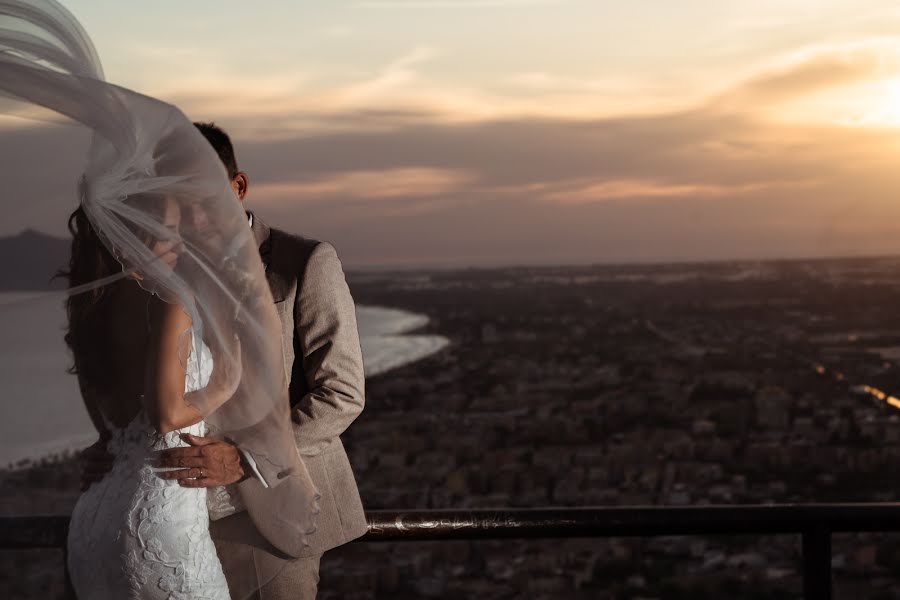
x: 201, y: 473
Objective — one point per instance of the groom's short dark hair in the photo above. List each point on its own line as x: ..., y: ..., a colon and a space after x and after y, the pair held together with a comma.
x: 219, y: 140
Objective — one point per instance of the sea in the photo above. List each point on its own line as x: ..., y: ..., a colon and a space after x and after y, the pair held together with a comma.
x: 42, y: 412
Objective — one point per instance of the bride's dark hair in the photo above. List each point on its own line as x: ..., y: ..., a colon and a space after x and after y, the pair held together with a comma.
x: 89, y: 261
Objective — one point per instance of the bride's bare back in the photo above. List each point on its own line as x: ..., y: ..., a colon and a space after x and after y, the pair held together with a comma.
x: 121, y: 338
x: 142, y: 341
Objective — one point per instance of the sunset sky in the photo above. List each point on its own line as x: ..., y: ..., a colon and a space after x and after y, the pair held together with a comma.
x: 485, y: 132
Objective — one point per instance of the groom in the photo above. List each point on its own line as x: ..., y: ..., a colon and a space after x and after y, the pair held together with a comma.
x: 324, y: 366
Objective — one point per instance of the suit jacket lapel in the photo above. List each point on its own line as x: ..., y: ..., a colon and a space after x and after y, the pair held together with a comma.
x: 263, y: 235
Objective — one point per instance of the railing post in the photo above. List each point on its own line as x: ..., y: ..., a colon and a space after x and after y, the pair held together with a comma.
x: 817, y: 564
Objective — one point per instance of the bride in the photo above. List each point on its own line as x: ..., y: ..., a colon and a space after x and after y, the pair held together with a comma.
x: 172, y: 326
x: 126, y: 344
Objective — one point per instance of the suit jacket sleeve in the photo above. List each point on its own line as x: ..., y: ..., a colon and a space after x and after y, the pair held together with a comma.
x: 326, y: 329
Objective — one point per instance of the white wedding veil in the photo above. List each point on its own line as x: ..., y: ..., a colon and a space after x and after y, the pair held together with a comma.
x: 146, y: 158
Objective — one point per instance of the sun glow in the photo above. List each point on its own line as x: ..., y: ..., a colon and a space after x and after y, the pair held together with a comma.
x: 873, y: 104
x: 885, y: 105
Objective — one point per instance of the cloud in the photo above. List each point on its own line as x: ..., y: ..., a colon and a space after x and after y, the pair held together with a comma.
x: 696, y: 184
x: 685, y: 185
x: 416, y: 182
x: 543, y: 81
x: 397, y: 74
x: 469, y: 178
x: 812, y: 70
x: 452, y: 3
x: 399, y: 94
x: 643, y: 189
x: 393, y: 96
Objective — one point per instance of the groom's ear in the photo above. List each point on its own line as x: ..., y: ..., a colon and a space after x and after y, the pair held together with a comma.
x: 239, y: 183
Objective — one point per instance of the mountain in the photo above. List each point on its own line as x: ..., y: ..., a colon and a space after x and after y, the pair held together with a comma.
x: 29, y: 260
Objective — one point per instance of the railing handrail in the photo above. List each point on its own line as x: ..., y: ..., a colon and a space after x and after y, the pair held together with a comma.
x: 813, y: 522
x: 49, y: 531
x: 631, y: 521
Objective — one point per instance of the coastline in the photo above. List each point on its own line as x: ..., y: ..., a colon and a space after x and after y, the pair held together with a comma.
x: 386, y: 338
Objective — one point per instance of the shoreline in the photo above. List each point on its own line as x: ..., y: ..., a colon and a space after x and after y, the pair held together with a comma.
x: 387, y: 341
x: 388, y: 348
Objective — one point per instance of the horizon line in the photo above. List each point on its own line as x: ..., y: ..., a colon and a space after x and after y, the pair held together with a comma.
x: 450, y: 265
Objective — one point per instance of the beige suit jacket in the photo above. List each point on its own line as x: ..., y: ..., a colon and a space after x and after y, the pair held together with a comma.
x: 324, y: 366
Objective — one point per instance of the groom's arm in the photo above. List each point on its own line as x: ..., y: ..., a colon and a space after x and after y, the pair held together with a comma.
x: 328, y: 346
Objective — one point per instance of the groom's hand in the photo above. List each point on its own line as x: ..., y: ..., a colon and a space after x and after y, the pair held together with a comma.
x: 207, y: 462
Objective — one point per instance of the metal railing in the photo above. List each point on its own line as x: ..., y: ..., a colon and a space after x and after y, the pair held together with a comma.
x: 815, y: 523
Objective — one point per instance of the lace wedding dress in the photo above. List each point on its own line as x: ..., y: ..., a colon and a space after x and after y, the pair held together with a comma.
x: 136, y: 536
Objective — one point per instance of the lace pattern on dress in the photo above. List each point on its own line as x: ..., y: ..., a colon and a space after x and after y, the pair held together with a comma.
x: 155, y: 530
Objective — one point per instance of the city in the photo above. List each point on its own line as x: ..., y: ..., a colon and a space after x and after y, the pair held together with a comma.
x: 719, y: 383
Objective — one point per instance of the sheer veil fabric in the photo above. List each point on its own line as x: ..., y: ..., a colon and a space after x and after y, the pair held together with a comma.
x: 145, y: 159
